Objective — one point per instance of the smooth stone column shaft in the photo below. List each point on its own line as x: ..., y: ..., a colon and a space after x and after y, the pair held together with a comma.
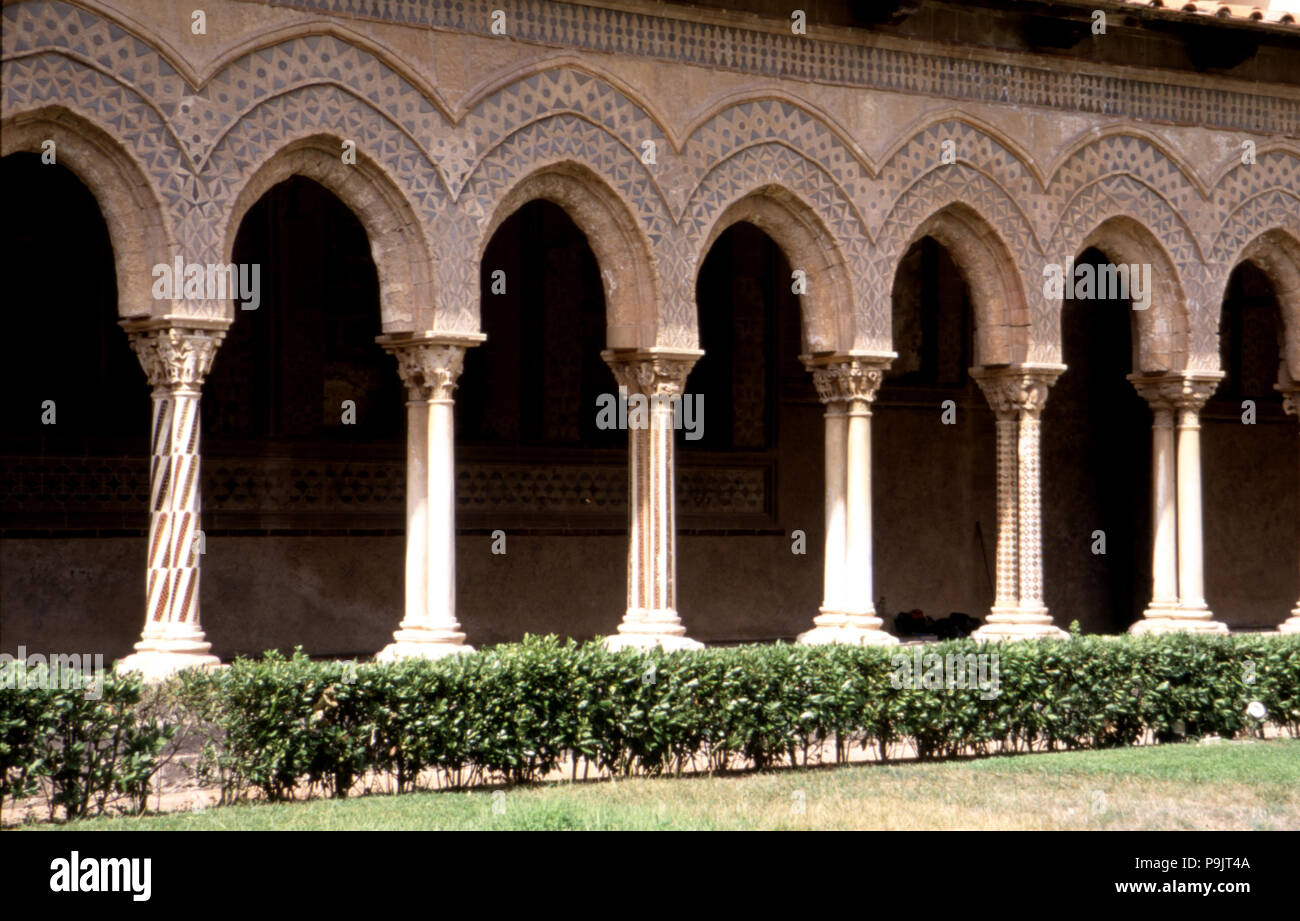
x: 1191, y: 590
x: 429, y: 366
x: 657, y: 377
x: 833, y: 574
x: 1164, y: 513
x: 847, y: 384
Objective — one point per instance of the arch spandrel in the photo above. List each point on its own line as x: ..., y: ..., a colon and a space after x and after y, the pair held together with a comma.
x: 755, y: 120
x: 1008, y: 172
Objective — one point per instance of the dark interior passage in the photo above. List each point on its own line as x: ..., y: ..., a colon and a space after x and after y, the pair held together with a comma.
x: 1096, y: 471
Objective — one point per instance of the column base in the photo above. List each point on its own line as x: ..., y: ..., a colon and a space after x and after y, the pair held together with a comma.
x: 851, y: 629
x: 423, y: 644
x: 158, y: 657
x: 1292, y: 623
x: 1162, y: 621
x: 647, y: 629
x: 1019, y: 624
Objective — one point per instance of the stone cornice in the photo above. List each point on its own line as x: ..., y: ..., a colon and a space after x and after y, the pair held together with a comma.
x: 969, y: 77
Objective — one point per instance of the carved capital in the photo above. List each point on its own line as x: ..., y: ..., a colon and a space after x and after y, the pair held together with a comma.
x: 653, y: 372
x: 1018, y: 389
x: 1177, y: 392
x: 841, y: 379
x: 175, y: 357
x: 429, y: 370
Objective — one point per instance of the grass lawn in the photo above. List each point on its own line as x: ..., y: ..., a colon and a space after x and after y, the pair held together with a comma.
x: 1227, y: 785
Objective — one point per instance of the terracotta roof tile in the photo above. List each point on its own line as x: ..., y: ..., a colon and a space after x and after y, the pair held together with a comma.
x: 1241, y: 12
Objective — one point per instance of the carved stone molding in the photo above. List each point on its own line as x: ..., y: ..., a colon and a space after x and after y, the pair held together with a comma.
x: 175, y: 357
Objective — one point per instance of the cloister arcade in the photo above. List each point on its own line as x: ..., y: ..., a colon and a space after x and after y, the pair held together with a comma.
x: 852, y: 276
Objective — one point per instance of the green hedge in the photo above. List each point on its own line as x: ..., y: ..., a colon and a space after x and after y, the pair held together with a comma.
x: 518, y: 712
x: 85, y: 741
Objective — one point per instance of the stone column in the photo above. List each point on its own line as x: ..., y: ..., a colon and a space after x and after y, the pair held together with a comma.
x: 1161, y: 395
x: 847, y: 383
x: 1006, y: 599
x: 829, y: 626
x: 176, y: 357
x: 1020, y: 390
x: 429, y: 367
x: 1291, y: 403
x: 1179, y: 396
x: 655, y: 378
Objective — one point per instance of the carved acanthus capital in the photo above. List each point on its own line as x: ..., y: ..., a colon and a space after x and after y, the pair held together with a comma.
x: 175, y: 357
x: 429, y: 370
x: 1177, y: 392
x: 1017, y: 389
x: 844, y: 379
x: 652, y: 372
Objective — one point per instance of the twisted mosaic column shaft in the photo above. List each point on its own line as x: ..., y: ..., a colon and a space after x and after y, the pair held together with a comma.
x: 430, y: 368
x: 176, y: 359
x: 657, y: 376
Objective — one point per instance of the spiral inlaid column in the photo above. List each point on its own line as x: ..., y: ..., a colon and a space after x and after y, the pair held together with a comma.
x: 1017, y: 395
x: 176, y: 359
x: 659, y: 376
x: 847, y: 384
x: 429, y: 367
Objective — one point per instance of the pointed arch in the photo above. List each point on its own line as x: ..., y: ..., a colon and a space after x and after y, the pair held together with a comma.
x: 816, y: 226
x: 622, y: 252
x: 1276, y: 253
x: 1002, y: 323
x: 1163, y: 329
x: 402, y: 256
x: 137, y: 226
x: 826, y: 308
